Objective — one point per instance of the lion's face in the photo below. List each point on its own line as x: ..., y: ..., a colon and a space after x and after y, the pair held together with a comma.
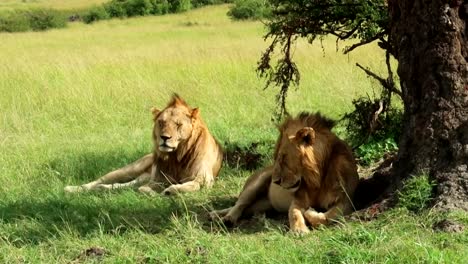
x: 288, y: 171
x: 173, y: 125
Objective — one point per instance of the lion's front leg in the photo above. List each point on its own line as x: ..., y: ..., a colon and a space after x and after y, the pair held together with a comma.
x: 250, y: 196
x: 296, y: 219
x: 190, y: 186
x: 131, y: 175
x: 218, y: 214
x: 315, y: 218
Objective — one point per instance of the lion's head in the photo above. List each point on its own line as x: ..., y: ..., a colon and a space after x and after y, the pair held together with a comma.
x: 299, y: 150
x: 174, y: 124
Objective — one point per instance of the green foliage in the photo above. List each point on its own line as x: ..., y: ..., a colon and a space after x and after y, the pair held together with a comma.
x: 32, y: 20
x: 43, y: 19
x: 132, y: 8
x: 366, y: 20
x: 138, y: 8
x: 160, y: 7
x: 14, y: 22
x: 374, y: 150
x: 116, y: 8
x: 250, y: 9
x: 95, y: 14
x: 371, y: 129
x: 177, y: 6
x: 416, y: 193
x: 364, y: 123
x: 199, y: 3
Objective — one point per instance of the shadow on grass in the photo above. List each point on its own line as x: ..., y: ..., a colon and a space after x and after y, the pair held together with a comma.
x: 31, y: 222
x: 49, y: 214
x: 91, y: 165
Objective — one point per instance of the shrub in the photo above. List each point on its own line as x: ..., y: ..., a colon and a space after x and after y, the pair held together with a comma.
x: 250, y: 9
x: 116, y: 8
x: 130, y: 8
x: 36, y: 19
x: 177, y: 6
x: 95, y: 14
x: 374, y: 150
x: 361, y: 124
x: 160, y: 7
x: 43, y: 19
x: 199, y: 3
x: 138, y: 7
x: 14, y: 22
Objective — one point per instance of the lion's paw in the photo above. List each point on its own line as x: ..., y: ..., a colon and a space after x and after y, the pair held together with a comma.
x: 229, y: 221
x: 300, y: 230
x: 73, y: 189
x: 213, y: 216
x: 315, y: 218
x: 147, y: 190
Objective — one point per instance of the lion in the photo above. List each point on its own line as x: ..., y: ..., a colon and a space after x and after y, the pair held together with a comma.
x: 185, y: 158
x: 313, y: 177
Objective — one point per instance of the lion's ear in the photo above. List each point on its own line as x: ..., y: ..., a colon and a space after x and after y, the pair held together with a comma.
x: 305, y: 135
x: 195, y: 113
x: 155, y: 112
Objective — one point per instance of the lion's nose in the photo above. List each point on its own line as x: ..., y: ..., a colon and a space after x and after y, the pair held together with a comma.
x: 277, y: 181
x: 165, y: 137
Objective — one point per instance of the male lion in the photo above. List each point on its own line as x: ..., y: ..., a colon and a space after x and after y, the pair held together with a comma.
x: 185, y: 157
x: 313, y: 177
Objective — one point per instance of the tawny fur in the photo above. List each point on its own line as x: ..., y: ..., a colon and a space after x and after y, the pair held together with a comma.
x: 313, y: 170
x: 186, y: 156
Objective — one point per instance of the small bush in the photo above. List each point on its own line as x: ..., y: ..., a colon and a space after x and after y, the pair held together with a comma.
x: 361, y: 126
x: 160, y: 7
x: 36, y: 20
x: 95, y: 14
x: 372, y: 135
x: 138, y: 7
x: 416, y: 193
x: 116, y: 9
x: 250, y: 9
x: 199, y: 3
x: 131, y: 8
x: 43, y: 19
x: 374, y: 150
x: 177, y: 6
x: 14, y: 22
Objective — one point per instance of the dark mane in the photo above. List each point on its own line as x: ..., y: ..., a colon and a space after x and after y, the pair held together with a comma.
x: 316, y: 120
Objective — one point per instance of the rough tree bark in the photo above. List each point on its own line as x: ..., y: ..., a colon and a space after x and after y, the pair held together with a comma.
x: 429, y: 39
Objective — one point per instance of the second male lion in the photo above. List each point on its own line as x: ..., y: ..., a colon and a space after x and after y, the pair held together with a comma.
x: 186, y: 156
x: 313, y: 170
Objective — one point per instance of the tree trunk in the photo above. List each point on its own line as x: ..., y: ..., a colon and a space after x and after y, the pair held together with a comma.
x: 429, y: 40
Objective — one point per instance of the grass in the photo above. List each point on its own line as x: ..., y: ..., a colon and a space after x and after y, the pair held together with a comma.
x: 75, y: 104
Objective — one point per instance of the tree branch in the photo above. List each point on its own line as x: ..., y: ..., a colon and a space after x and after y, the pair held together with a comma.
x: 385, y: 83
x: 364, y: 42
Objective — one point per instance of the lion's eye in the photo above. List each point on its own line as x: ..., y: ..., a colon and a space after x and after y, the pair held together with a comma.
x: 178, y: 125
x: 161, y: 123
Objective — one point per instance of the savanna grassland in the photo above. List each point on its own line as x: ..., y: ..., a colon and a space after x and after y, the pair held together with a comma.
x: 75, y: 104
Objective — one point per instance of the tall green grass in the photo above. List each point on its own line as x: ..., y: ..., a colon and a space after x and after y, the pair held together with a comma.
x: 75, y: 104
